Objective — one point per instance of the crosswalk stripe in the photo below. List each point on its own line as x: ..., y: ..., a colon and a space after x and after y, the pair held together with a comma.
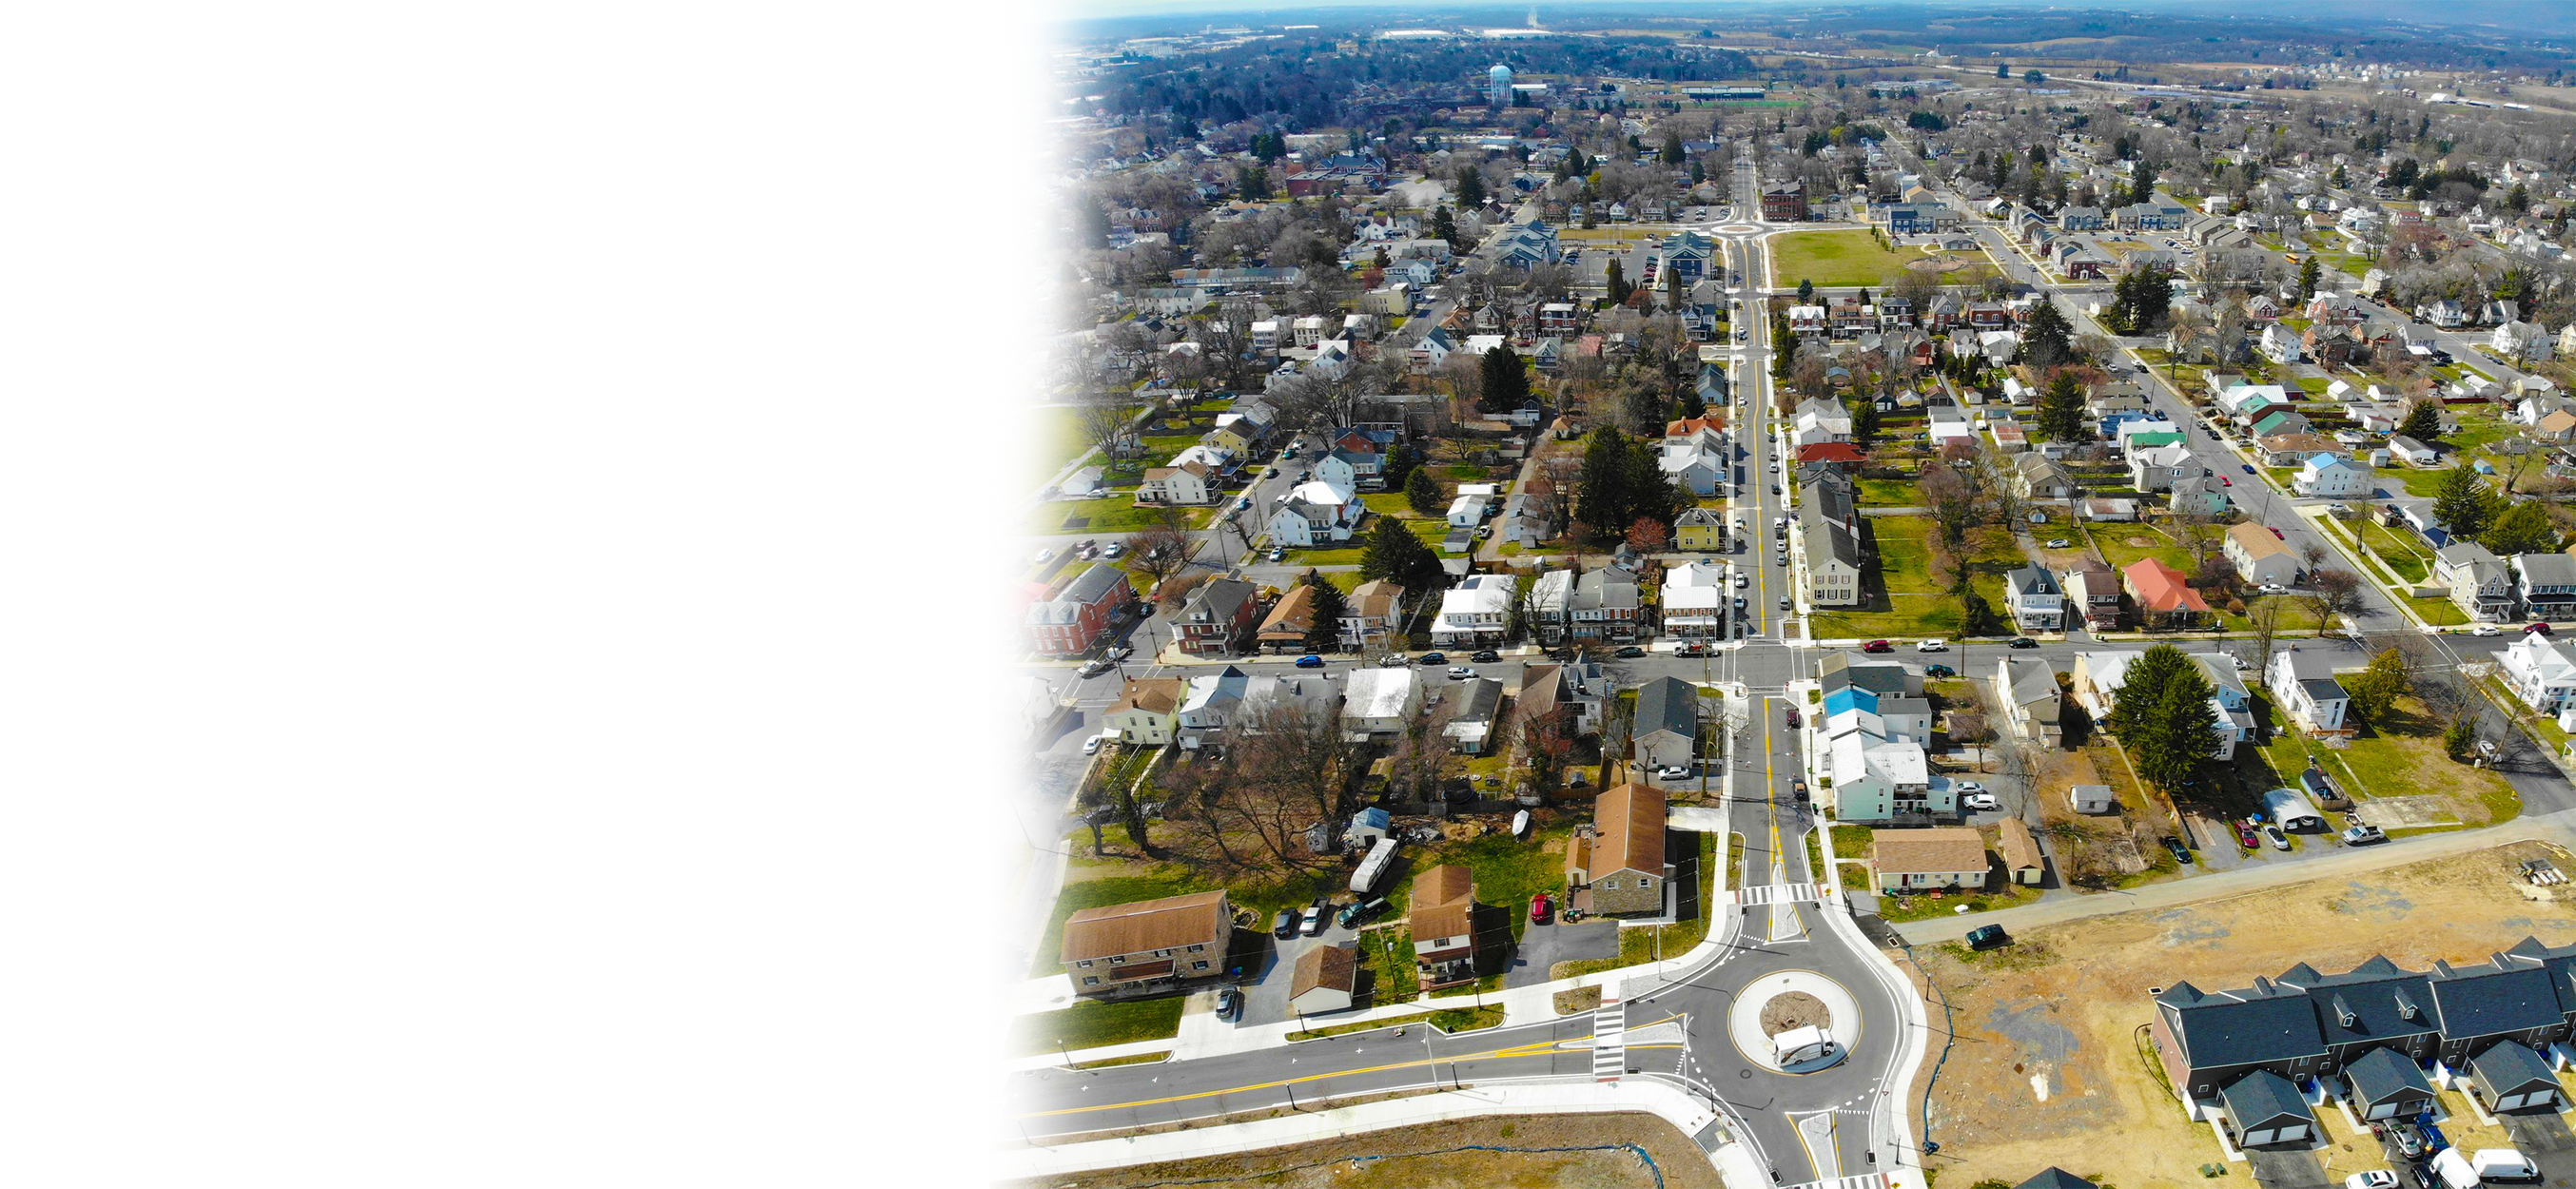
x: 1795, y: 893
x: 1862, y: 1181
x: 1609, y: 1051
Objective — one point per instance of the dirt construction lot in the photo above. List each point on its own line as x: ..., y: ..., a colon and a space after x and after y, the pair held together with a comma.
x: 2051, y: 1043
x: 1426, y: 1157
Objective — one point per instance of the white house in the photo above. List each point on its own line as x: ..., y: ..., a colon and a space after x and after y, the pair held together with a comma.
x: 1694, y: 464
x: 2331, y: 477
x: 1476, y: 611
x: 1379, y: 702
x: 2280, y: 344
x: 1467, y: 511
x: 2158, y: 468
x: 2261, y: 557
x: 1316, y: 513
x: 2303, y: 683
x: 2540, y: 672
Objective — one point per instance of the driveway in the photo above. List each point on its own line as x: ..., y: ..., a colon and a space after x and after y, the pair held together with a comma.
x: 1543, y: 946
x: 2287, y: 1168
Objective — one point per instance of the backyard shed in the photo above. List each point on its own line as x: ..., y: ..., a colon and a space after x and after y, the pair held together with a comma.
x: 1325, y: 978
x: 2093, y: 798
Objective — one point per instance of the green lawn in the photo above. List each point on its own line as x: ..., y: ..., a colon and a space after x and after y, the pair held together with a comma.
x: 1092, y: 1024
x: 1431, y: 532
x: 1508, y: 870
x: 1886, y: 493
x: 2400, y: 756
x: 2121, y: 547
x: 1914, y: 606
x: 2406, y: 556
x: 1116, y: 513
x: 1389, y: 950
x: 1170, y: 879
x: 1854, y: 257
x: 1036, y: 443
x: 2422, y: 483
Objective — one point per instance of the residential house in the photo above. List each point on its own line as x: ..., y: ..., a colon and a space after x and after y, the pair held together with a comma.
x: 1880, y: 778
x: 1580, y: 691
x: 2522, y: 342
x: 2158, y: 468
x: 1290, y: 620
x: 1272, y: 701
x: 1784, y: 202
x: 2027, y: 691
x: 1126, y: 951
x: 1821, y: 420
x: 2481, y: 584
x: 2291, y: 449
x: 2093, y: 590
x: 1617, y: 865
x: 1070, y: 621
x: 2098, y: 676
x: 1443, y: 922
x: 1700, y: 530
x: 1324, y: 980
x: 1379, y: 702
x: 1828, y: 525
x: 1210, y: 704
x: 2412, y: 452
x: 2547, y: 585
x: 2330, y: 477
x: 1479, y: 703
x: 1606, y: 606
x: 2038, y: 603
x: 2540, y: 671
x: 1476, y: 611
x: 1187, y: 483
x: 1947, y: 857
x: 2260, y: 556
x: 2303, y: 685
x: 1665, y: 731
x: 2280, y: 344
x: 1372, y: 614
x: 2201, y: 496
x: 1147, y: 712
x: 1218, y: 617
x: 2161, y: 595
x: 1695, y: 464
x: 2041, y: 478
x: 2023, y: 861
x: 1695, y: 597
x: 1551, y: 605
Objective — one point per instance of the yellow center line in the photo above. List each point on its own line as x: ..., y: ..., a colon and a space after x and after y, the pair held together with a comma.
x: 1533, y: 1049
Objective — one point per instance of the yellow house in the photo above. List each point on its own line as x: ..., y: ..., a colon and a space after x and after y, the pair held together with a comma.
x: 1700, y: 530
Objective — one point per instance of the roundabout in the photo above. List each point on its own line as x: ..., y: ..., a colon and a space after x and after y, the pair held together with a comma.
x: 1799, y: 1015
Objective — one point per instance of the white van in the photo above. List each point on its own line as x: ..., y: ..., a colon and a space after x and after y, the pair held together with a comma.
x: 2502, y: 1164
x: 2454, y: 1170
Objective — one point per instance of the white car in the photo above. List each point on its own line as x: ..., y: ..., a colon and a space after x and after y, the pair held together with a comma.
x: 1932, y: 646
x: 2275, y: 588
x: 2377, y: 1178
x: 1040, y: 558
x: 2059, y: 543
x: 1969, y: 786
x: 1674, y: 772
x: 1978, y: 801
x: 1456, y: 672
x: 1743, y: 580
x: 2486, y: 629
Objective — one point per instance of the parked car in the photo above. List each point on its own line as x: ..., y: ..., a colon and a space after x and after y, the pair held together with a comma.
x: 2272, y: 834
x: 1284, y: 926
x: 2376, y: 1178
x: 2024, y: 642
x: 2536, y: 629
x: 2249, y: 468
x: 1979, y: 801
x: 1041, y: 556
x: 1629, y: 650
x: 2245, y: 835
x: 1674, y: 772
x: 1793, y: 717
x: 1228, y: 1001
x: 2486, y: 629
x: 1095, y: 667
x: 1113, y: 549
x: 1313, y: 922
x: 1986, y: 937
x: 1695, y: 648
x: 1091, y: 746
x: 1932, y: 646
x: 1393, y: 660
x: 1878, y: 646
x: 2363, y: 835
x: 2410, y: 1142
x: 1278, y: 554
x: 1540, y: 907
x: 1431, y: 658
x: 1460, y: 672
x: 1486, y: 656
x: 2275, y: 588
x: 1939, y: 671
x: 2181, y: 853
x: 2059, y: 543
x: 1361, y: 913
x: 2224, y: 481
x: 2276, y: 535
x: 1310, y: 661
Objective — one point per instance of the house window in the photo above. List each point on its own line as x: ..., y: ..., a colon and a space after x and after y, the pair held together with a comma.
x: 1198, y: 965
x: 1609, y: 883
x: 1162, y: 953
x: 1118, y: 960
x: 1090, y: 980
x: 1085, y: 963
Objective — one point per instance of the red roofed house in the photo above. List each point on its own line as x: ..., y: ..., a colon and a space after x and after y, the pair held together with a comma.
x: 2163, y: 598
x: 1685, y: 428
x: 1842, y: 453
x: 1008, y: 608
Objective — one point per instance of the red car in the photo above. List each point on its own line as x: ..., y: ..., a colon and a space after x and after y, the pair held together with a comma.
x: 1877, y: 646
x: 2537, y: 629
x: 1539, y: 906
x: 2224, y: 481
x: 2245, y: 836
x: 2276, y: 535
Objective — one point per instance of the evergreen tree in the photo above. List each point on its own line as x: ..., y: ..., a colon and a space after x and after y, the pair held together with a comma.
x: 2163, y: 718
x: 1864, y: 421
x: 1395, y: 554
x: 1444, y: 226
x: 1471, y: 187
x: 2143, y: 188
x: 2523, y: 527
x: 1806, y: 291
x: 2046, y: 338
x: 1506, y: 383
x: 1618, y: 284
x: 2308, y: 277
x: 1423, y: 492
x: 2423, y: 422
x: 2375, y: 691
x: 2463, y: 505
x: 2061, y: 410
x: 2518, y: 199
x: 1672, y: 152
x: 1689, y: 406
x: 2460, y: 739
x: 1617, y: 481
x: 1325, y: 633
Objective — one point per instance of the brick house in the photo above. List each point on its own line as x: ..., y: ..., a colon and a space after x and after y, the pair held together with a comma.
x: 1616, y: 865
x: 1217, y: 620
x: 1070, y: 621
x: 1126, y: 951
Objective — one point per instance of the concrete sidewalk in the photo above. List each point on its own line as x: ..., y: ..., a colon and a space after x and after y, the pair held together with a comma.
x: 2557, y: 829
x: 1674, y: 1106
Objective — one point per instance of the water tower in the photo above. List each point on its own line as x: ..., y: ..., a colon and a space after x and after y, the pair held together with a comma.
x: 1501, y: 77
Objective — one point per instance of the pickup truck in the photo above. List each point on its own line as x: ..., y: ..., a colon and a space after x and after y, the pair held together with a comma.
x: 2363, y: 835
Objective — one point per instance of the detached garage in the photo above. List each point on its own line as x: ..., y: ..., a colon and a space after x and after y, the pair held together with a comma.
x: 2266, y: 1110
x: 1325, y: 976
x: 2386, y: 1084
x: 2509, y: 1076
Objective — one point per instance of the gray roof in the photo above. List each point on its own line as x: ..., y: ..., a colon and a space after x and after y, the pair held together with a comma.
x: 2492, y: 1001
x: 1478, y: 699
x: 2032, y: 580
x: 1882, y: 678
x: 2240, y: 1027
x: 1667, y: 704
x: 2510, y: 1067
x: 2030, y: 680
x: 2263, y: 1099
x: 1217, y: 600
x: 2056, y: 1178
x: 2547, y: 569
x: 2382, y: 1076
x: 2376, y: 995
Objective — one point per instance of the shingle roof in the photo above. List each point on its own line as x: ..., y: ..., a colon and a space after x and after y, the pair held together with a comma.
x: 1169, y: 923
x: 1932, y: 851
x: 1154, y: 695
x: 1331, y: 966
x: 2014, y: 842
x: 2487, y: 1001
x: 2382, y: 1075
x: 2056, y: 1178
x: 2240, y: 1027
x: 2509, y: 1067
x: 1668, y: 704
x: 2262, y: 1098
x: 1444, y: 899
x: 1629, y: 822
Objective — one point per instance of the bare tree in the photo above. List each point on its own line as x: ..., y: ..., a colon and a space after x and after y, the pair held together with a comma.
x: 1160, y: 549
x: 1425, y: 757
x: 2333, y: 592
x: 1949, y: 500
x: 2266, y: 618
x: 1302, y: 750
x: 1547, y: 743
x: 1108, y: 421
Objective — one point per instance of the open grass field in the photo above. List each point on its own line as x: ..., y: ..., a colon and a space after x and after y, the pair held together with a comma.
x: 1036, y: 443
x: 1911, y: 606
x: 1431, y: 1157
x: 2049, y: 1028
x: 1114, y: 514
x: 1093, y: 1024
x: 1854, y: 257
x: 2400, y: 757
